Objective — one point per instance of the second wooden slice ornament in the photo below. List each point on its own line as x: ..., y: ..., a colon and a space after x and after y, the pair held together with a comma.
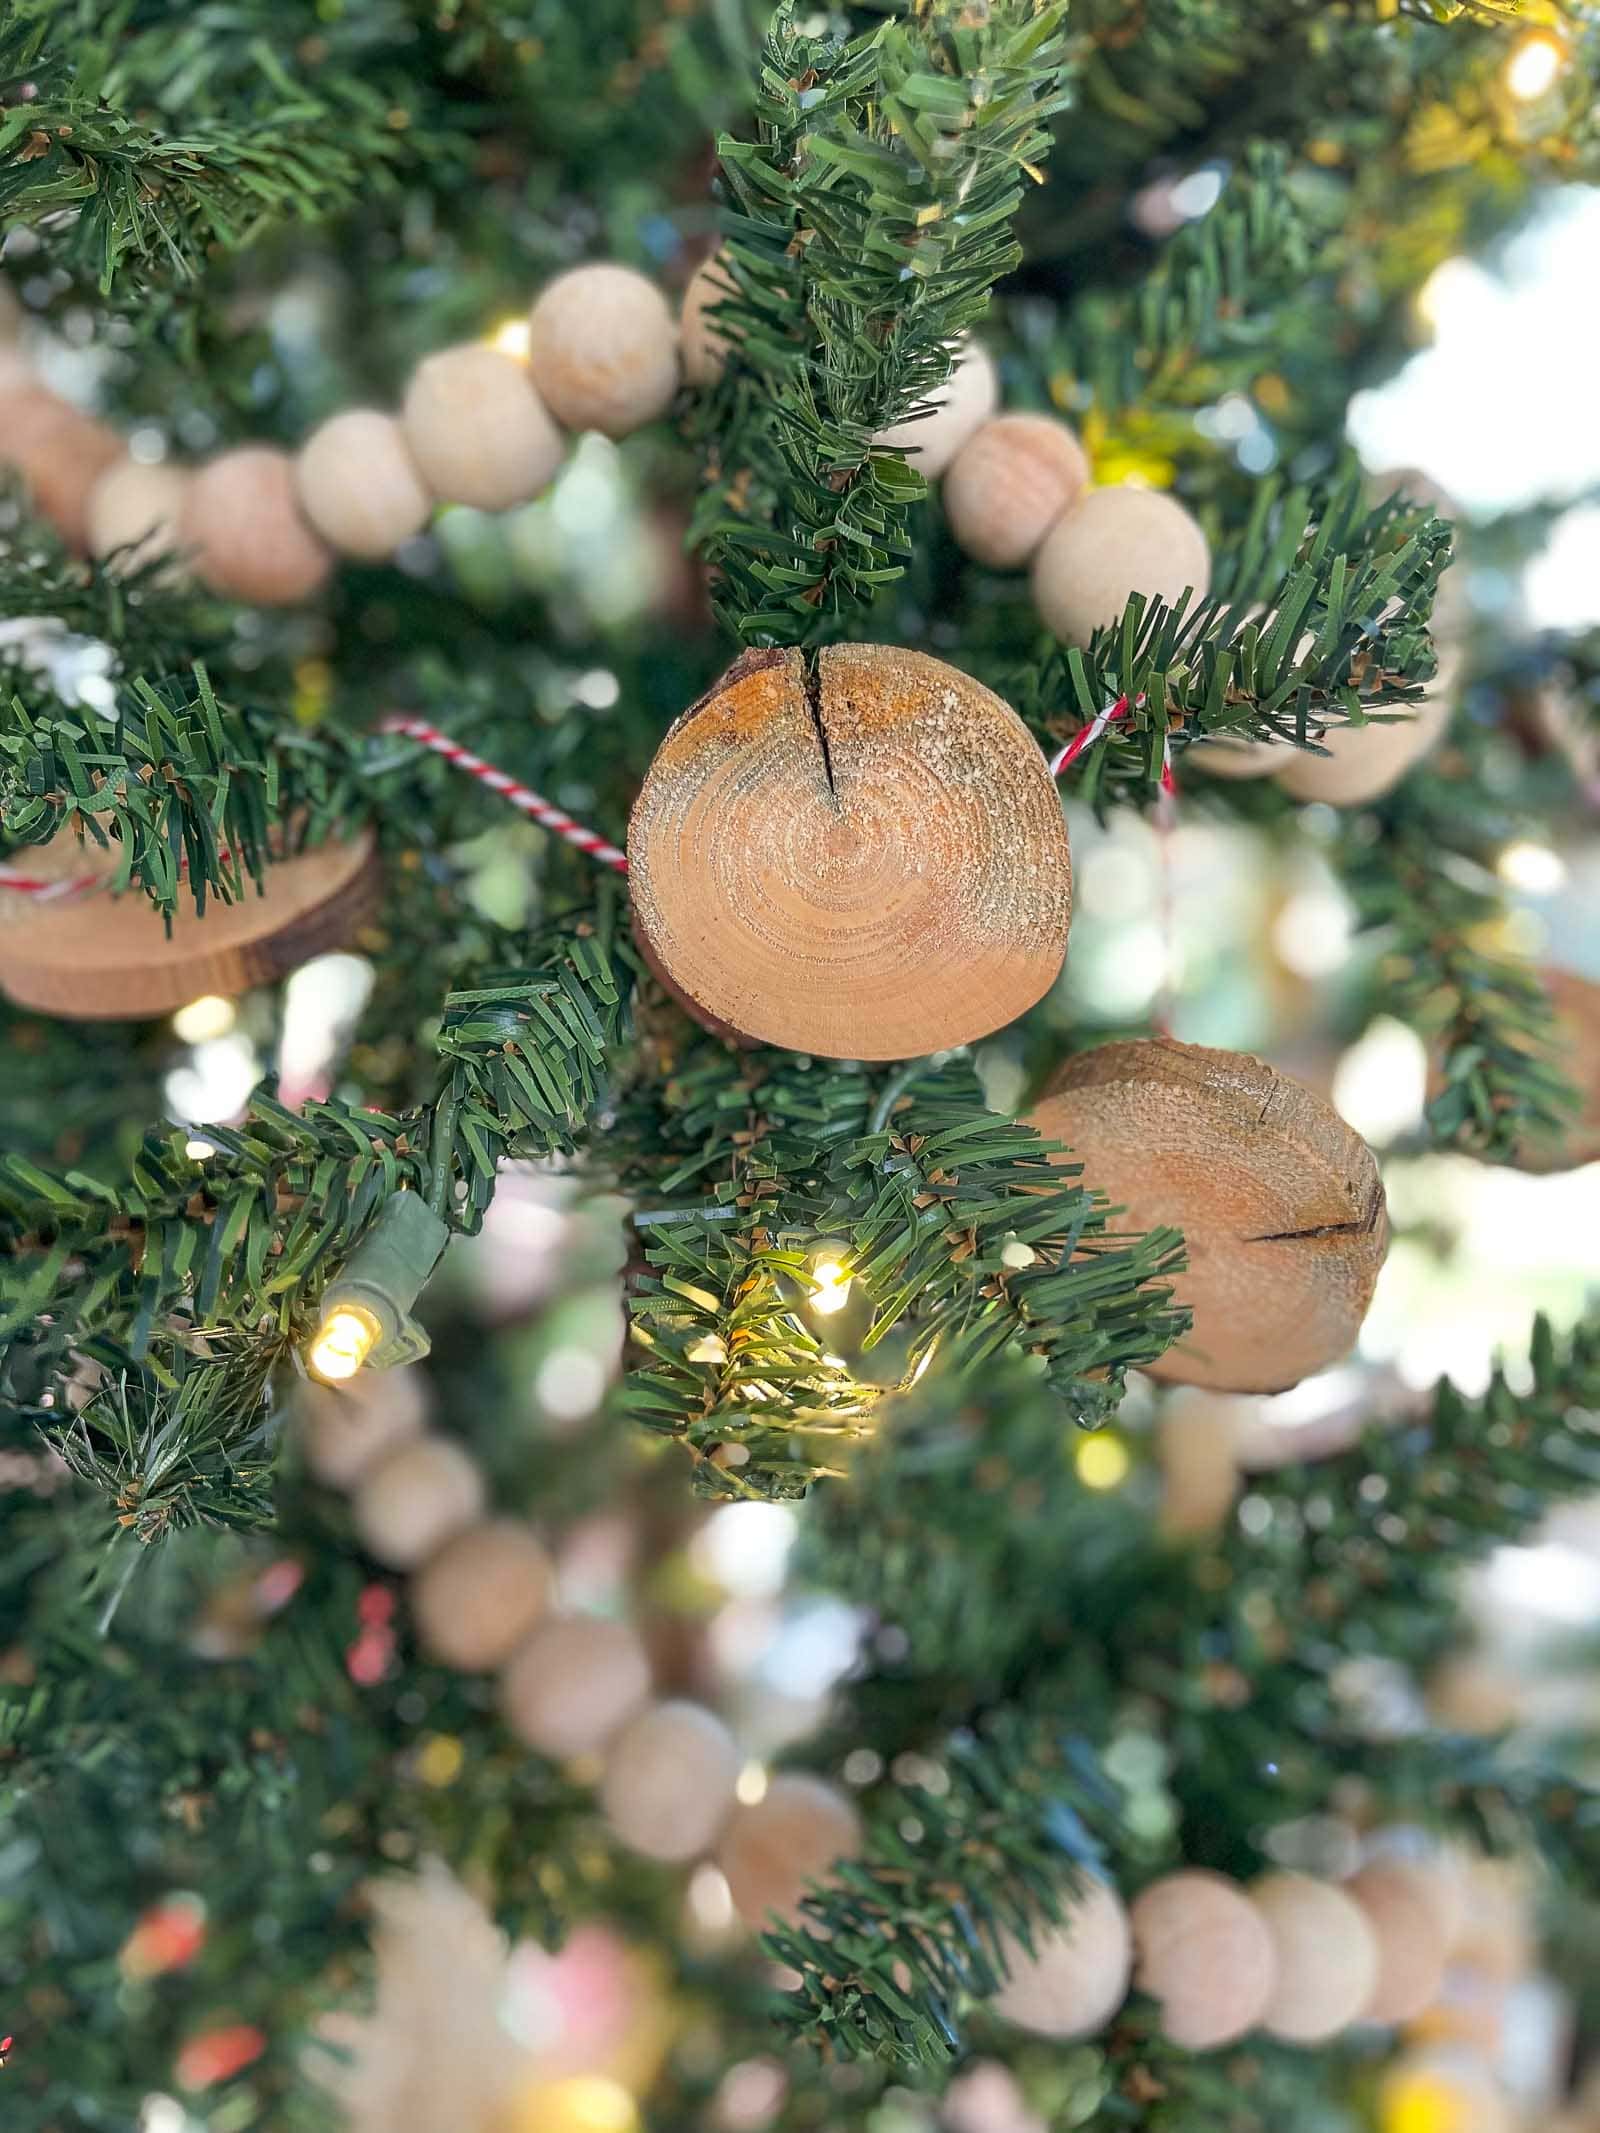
x: 95, y: 957
x: 861, y: 860
x: 1280, y: 1203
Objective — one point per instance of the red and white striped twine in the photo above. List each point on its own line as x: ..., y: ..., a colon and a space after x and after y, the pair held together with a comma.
x: 522, y: 797
x: 1081, y: 742
x: 22, y: 883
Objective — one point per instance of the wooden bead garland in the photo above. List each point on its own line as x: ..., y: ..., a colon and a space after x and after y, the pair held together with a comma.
x: 967, y: 400
x: 1296, y: 1956
x: 603, y: 349
x: 573, y: 1685
x: 1077, y: 1976
x: 1117, y: 542
x: 1280, y: 1203
x: 1410, y: 1924
x: 1326, y: 1957
x: 359, y: 485
x: 479, y: 1595
x: 241, y: 517
x: 704, y: 350
x: 1010, y: 482
x: 415, y: 1500
x: 138, y: 508
x: 1205, y: 1953
x: 478, y: 431
x: 669, y: 1779
x: 59, y: 452
x: 793, y: 1834
x: 868, y: 861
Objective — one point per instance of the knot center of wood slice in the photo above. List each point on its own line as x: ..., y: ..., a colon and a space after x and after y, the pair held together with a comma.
x: 866, y: 859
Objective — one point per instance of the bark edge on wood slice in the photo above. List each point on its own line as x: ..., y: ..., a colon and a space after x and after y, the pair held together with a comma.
x: 865, y: 859
x: 1279, y: 1201
x: 103, y: 958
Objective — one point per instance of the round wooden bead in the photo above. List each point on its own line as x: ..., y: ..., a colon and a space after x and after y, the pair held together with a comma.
x: 479, y: 1596
x: 958, y: 409
x: 359, y: 484
x: 869, y: 862
x: 58, y: 451
x: 1077, y: 1977
x: 1280, y: 1203
x: 413, y: 1501
x: 1009, y: 484
x: 1205, y: 1952
x: 604, y: 350
x: 573, y: 1684
x: 1496, y: 1936
x: 243, y: 522
x: 1116, y: 543
x: 1325, y: 1954
x: 791, y: 1836
x: 478, y: 430
x: 669, y: 1779
x: 137, y: 508
x: 111, y: 958
x: 1363, y: 761
x: 705, y: 350
x: 1409, y: 1921
x: 345, y: 1431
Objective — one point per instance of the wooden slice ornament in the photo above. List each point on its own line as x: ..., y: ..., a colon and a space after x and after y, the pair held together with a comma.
x: 1280, y: 1203
x: 865, y: 860
x: 95, y: 957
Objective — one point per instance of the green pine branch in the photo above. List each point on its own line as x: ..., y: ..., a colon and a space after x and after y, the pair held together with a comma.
x: 967, y: 1242
x: 230, y: 1253
x: 1358, y: 584
x: 890, y: 1952
x: 1423, y: 886
x: 1207, y: 311
x: 131, y: 202
x: 868, y: 221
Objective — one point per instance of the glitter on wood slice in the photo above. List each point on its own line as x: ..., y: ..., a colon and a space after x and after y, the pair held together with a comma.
x: 1280, y: 1203
x: 102, y: 958
x: 863, y: 860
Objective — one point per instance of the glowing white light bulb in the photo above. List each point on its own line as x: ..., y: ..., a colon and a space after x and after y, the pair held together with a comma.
x: 1535, y: 66
x: 344, y: 1341
x: 209, y: 1016
x: 512, y: 337
x: 830, y: 1287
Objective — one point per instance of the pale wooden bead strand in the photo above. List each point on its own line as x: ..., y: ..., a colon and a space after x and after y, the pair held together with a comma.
x: 359, y: 485
x: 478, y: 430
x: 1009, y: 484
x: 1115, y: 543
x: 139, y: 509
x: 481, y: 1593
x: 797, y: 1830
x: 1077, y: 1976
x: 603, y: 349
x: 959, y: 409
x: 668, y: 1785
x: 1326, y: 1953
x: 416, y: 1499
x: 242, y: 519
x: 1205, y: 1953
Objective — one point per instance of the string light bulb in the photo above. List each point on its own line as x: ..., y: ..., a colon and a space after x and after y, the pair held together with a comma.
x: 344, y: 1340
x: 513, y: 337
x: 831, y: 1284
x: 366, y: 1310
x: 1537, y: 62
x: 1102, y: 1460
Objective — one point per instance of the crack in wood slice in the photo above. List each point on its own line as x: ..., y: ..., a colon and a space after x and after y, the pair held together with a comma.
x: 864, y: 860
x: 106, y: 959
x: 1280, y: 1203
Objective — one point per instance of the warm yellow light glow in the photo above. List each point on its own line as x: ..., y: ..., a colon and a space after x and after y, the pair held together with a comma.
x: 344, y: 1341
x: 199, y: 1149
x: 440, y: 1760
x: 1533, y: 868
x: 1102, y: 1461
x: 585, y: 2103
x: 1423, y: 2103
x: 830, y: 1287
x: 209, y: 1016
x: 1536, y: 64
x: 512, y: 337
x: 751, y: 1788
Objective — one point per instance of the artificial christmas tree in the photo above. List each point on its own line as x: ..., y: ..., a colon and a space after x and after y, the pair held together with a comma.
x: 395, y: 1739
